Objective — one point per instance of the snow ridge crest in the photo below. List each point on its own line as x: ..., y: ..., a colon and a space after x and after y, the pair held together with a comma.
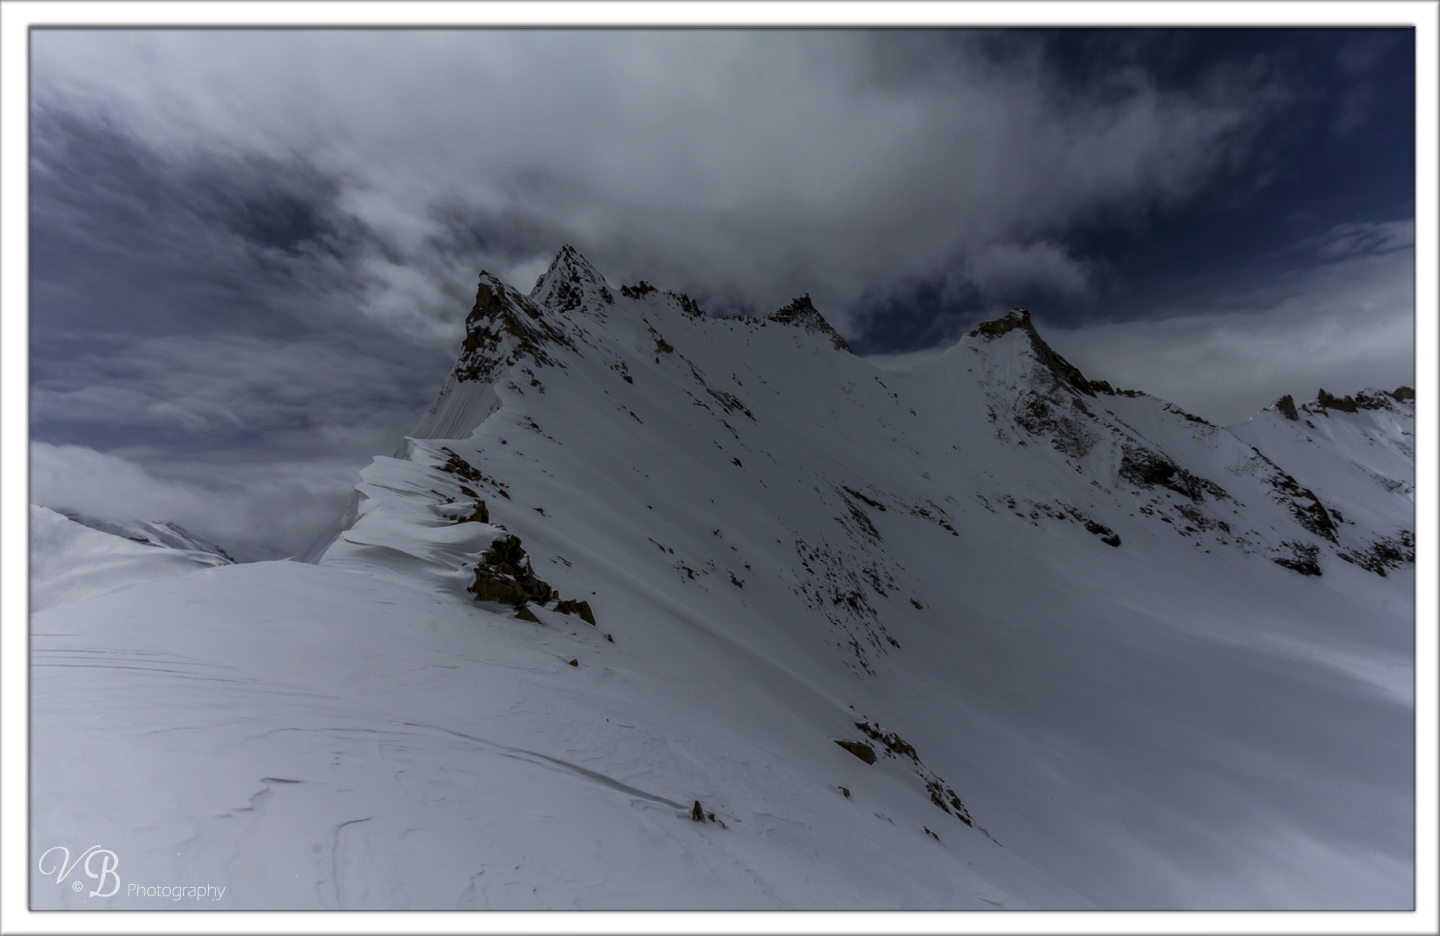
x: 1062, y: 370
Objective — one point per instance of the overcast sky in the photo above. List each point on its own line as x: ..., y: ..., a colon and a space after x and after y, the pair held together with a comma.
x: 252, y: 252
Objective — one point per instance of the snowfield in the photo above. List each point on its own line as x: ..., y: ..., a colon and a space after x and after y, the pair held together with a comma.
x: 1084, y: 650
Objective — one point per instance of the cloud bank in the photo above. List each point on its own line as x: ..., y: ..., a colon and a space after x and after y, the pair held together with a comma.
x: 1352, y: 318
x: 746, y: 167
x: 265, y: 509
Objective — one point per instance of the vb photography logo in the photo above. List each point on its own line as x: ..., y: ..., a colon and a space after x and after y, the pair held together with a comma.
x: 61, y: 866
x: 103, y: 866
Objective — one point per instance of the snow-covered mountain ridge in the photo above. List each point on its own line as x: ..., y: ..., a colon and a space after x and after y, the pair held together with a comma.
x: 75, y: 556
x: 993, y: 634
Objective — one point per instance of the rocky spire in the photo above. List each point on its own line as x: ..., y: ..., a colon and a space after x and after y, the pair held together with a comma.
x: 802, y: 314
x: 1018, y: 318
x: 503, y: 327
x: 571, y: 283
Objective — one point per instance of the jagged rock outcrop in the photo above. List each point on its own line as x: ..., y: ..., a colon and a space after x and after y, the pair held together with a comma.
x: 504, y: 574
x: 1062, y: 370
x: 801, y: 313
x: 571, y: 283
x: 581, y: 608
x: 505, y: 328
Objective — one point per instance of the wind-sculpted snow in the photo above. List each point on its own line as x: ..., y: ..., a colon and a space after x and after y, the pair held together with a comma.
x: 1094, y: 616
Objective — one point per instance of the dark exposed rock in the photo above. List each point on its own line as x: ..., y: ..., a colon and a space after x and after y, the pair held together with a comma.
x: 1305, y: 558
x: 894, y: 744
x: 1343, y: 404
x: 1107, y: 536
x: 803, y: 314
x: 1304, y: 506
x: 1062, y: 369
x: 640, y: 289
x: 697, y: 813
x: 729, y: 402
x: 460, y: 468
x: 581, y: 608
x: 687, y: 305
x: 862, y: 520
x: 1188, y: 417
x: 481, y: 514
x: 1368, y: 401
x: 941, y: 795
x: 504, y: 574
x: 574, y: 663
x: 1070, y: 436
x: 564, y: 286
x: 1148, y: 469
x: 1200, y: 520
x: 1364, y: 401
x: 1383, y: 554
x: 1286, y: 406
x: 857, y: 494
x: 499, y: 314
x: 1102, y: 386
x: 1015, y: 318
x: 860, y: 749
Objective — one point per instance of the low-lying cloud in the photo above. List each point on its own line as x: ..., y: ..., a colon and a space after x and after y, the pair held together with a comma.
x: 266, y: 508
x: 1346, y: 324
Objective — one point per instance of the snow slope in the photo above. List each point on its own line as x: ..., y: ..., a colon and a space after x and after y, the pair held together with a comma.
x: 1100, y: 652
x: 1355, y: 453
x: 73, y: 556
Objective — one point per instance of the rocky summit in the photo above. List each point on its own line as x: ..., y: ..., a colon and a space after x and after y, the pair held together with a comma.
x: 620, y: 622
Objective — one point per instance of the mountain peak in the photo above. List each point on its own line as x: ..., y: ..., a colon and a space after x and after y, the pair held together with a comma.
x: 571, y: 283
x: 1018, y: 318
x: 801, y: 312
x: 1015, y: 318
x: 502, y: 327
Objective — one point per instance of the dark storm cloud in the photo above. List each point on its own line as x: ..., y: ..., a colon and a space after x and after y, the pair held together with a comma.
x: 1280, y: 184
x: 747, y: 167
x: 188, y: 309
x: 129, y: 239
